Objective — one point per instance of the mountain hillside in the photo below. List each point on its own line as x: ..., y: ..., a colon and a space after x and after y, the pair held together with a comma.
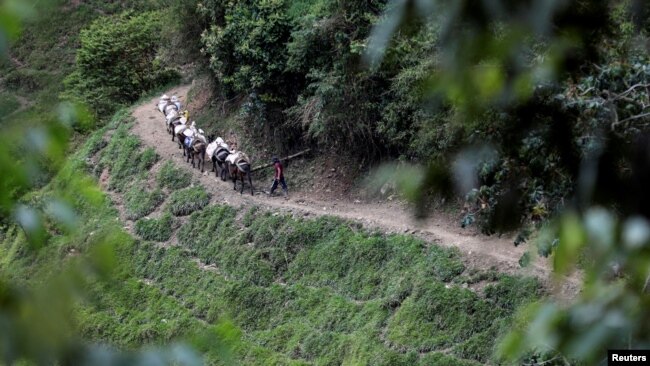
x: 473, y: 188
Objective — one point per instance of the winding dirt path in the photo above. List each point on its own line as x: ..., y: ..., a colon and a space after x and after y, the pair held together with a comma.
x: 479, y: 251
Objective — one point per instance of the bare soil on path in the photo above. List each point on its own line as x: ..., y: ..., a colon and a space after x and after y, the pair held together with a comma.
x: 479, y: 251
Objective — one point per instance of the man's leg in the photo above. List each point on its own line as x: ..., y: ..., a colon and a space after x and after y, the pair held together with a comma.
x: 274, y: 186
x: 284, y: 186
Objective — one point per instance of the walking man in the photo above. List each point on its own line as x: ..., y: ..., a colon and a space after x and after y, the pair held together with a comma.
x: 279, y: 177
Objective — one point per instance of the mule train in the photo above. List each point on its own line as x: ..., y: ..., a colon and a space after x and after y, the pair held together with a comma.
x: 227, y: 162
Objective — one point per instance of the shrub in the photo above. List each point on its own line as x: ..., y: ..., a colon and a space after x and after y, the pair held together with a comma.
x: 445, y: 264
x: 123, y: 158
x: 248, y: 52
x: 188, y: 200
x: 147, y: 159
x: 481, y: 346
x: 93, y: 144
x: 119, y: 158
x: 435, y: 317
x: 140, y: 201
x: 512, y: 292
x: 155, y: 229
x: 117, y: 61
x: 120, y: 117
x: 207, y: 230
x: 173, y: 178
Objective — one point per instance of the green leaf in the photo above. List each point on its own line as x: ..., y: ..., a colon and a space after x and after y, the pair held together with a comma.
x: 572, y: 239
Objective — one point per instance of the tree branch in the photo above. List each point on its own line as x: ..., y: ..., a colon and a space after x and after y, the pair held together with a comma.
x: 634, y: 117
x: 285, y: 158
x: 631, y: 89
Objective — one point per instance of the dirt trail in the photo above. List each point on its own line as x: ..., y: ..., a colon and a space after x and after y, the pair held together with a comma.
x: 482, y: 252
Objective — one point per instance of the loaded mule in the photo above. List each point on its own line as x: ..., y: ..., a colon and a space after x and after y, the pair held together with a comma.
x: 197, y: 148
x: 239, y: 166
x: 218, y: 151
x: 177, y: 120
x: 162, y: 103
x: 169, y: 107
x: 182, y: 132
x: 172, y: 116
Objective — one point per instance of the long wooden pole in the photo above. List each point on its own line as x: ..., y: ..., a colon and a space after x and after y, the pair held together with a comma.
x: 285, y: 158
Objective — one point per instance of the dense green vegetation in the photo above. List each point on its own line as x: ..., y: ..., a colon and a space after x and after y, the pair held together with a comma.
x: 118, y: 61
x: 141, y: 202
x: 160, y: 229
x: 173, y: 178
x: 185, y: 201
x: 125, y: 158
x: 300, y: 58
x: 45, y: 52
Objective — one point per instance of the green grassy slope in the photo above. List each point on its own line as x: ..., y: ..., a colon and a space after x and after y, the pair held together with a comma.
x: 303, y: 291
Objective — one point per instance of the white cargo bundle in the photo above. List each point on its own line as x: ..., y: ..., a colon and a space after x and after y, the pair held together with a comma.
x: 171, y: 116
x: 180, y: 128
x: 233, y: 157
x: 169, y: 108
x: 211, y: 148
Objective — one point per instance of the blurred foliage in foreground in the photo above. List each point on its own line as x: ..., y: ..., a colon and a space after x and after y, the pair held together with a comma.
x: 57, y: 244
x: 564, y: 87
